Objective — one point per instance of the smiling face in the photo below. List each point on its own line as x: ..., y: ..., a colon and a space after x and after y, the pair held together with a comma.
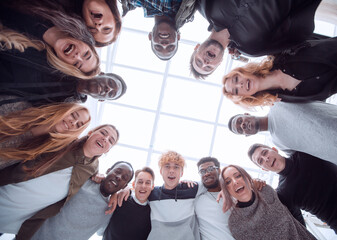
x: 171, y: 173
x: 241, y: 85
x: 73, y: 121
x: 268, y: 159
x: 164, y: 39
x: 236, y: 185
x: 245, y: 124
x: 100, y: 141
x: 143, y: 186
x: 209, y: 179
x: 117, y: 178
x: 101, y: 88
x: 76, y: 53
x: 208, y: 56
x: 99, y: 20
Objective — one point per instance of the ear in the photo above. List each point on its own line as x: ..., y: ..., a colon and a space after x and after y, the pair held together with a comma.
x: 133, y: 184
x: 196, y: 47
x: 89, y: 133
x: 265, y: 170
x: 178, y: 36
x: 150, y: 36
x: 182, y: 172
x: 161, y: 171
x: 274, y: 149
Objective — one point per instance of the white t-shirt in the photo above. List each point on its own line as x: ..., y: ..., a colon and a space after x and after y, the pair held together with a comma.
x: 20, y: 201
x: 213, y: 222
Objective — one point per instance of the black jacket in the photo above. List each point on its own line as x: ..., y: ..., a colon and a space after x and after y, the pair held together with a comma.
x: 309, y: 183
x: 315, y: 65
x: 261, y: 27
x: 28, y: 76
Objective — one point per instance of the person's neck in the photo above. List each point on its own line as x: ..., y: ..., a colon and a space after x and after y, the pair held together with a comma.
x: 161, y: 18
x: 263, y: 122
x: 52, y: 35
x: 216, y: 189
x: 80, y: 86
x: 101, y: 189
x: 222, y: 37
x: 39, y: 130
x: 169, y: 188
x: 270, y: 82
x: 87, y: 153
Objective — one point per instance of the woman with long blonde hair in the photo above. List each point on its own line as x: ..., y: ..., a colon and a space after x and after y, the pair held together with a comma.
x: 42, y: 186
x: 303, y: 74
x: 67, y: 42
x: 25, y: 135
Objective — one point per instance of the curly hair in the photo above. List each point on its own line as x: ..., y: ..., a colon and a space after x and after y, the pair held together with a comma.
x: 171, y: 156
x: 18, y: 123
x: 260, y: 70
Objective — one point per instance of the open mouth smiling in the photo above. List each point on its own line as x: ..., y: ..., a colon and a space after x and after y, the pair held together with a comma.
x: 239, y: 189
x: 248, y: 85
x: 164, y: 35
x: 65, y: 125
x: 96, y: 15
x: 99, y: 144
x: 272, y: 164
x: 69, y: 49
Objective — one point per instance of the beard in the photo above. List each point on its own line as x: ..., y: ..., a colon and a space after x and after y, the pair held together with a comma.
x: 213, y: 185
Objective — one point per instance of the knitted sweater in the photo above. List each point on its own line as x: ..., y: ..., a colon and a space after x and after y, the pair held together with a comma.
x: 266, y: 219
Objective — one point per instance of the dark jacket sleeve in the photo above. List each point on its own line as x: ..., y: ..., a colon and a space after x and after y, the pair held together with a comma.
x: 31, y: 225
x: 295, y: 211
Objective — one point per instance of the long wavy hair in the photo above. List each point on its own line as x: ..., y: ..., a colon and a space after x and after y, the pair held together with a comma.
x: 44, y: 161
x: 18, y: 123
x: 260, y: 70
x: 229, y: 201
x: 72, y: 26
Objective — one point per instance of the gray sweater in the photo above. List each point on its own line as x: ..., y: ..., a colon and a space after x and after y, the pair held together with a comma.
x: 267, y: 218
x: 80, y: 218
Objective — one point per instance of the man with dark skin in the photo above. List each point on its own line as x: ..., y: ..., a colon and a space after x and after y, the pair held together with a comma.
x: 169, y: 17
x: 213, y: 222
x: 289, y: 124
x: 84, y: 214
x: 16, y: 95
x: 300, y: 182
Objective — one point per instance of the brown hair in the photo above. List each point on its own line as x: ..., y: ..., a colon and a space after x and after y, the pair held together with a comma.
x: 253, y: 148
x: 261, y: 70
x: 145, y: 169
x: 18, y: 123
x: 44, y: 161
x: 118, y: 22
x: 228, y: 199
x: 171, y: 156
x: 194, y: 72
x: 11, y: 39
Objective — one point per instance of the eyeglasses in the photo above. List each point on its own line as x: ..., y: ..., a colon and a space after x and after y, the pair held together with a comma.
x: 202, y: 172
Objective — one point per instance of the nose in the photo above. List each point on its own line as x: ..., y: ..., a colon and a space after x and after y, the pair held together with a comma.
x: 78, y: 56
x: 73, y: 122
x: 98, y: 26
x: 244, y: 125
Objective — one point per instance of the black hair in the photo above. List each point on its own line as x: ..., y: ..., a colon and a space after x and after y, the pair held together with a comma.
x: 209, y: 159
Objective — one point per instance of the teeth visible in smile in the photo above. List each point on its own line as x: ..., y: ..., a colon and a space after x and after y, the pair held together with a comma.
x: 210, y: 54
x: 99, y: 144
x: 238, y: 189
x: 164, y: 35
x: 113, y: 182
x: 248, y: 85
x: 65, y: 125
x: 273, y: 163
x: 69, y: 49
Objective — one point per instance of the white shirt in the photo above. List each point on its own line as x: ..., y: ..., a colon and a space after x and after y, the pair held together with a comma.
x: 20, y: 201
x: 213, y: 222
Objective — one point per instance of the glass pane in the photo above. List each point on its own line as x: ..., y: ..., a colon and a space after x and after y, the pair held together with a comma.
x: 143, y: 88
x: 202, y: 101
x: 189, y: 138
x: 135, y: 126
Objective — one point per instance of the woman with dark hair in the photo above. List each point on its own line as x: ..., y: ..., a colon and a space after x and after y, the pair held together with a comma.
x: 42, y: 186
x: 257, y: 215
x: 102, y: 18
x: 306, y: 73
x: 67, y: 41
x: 26, y: 134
